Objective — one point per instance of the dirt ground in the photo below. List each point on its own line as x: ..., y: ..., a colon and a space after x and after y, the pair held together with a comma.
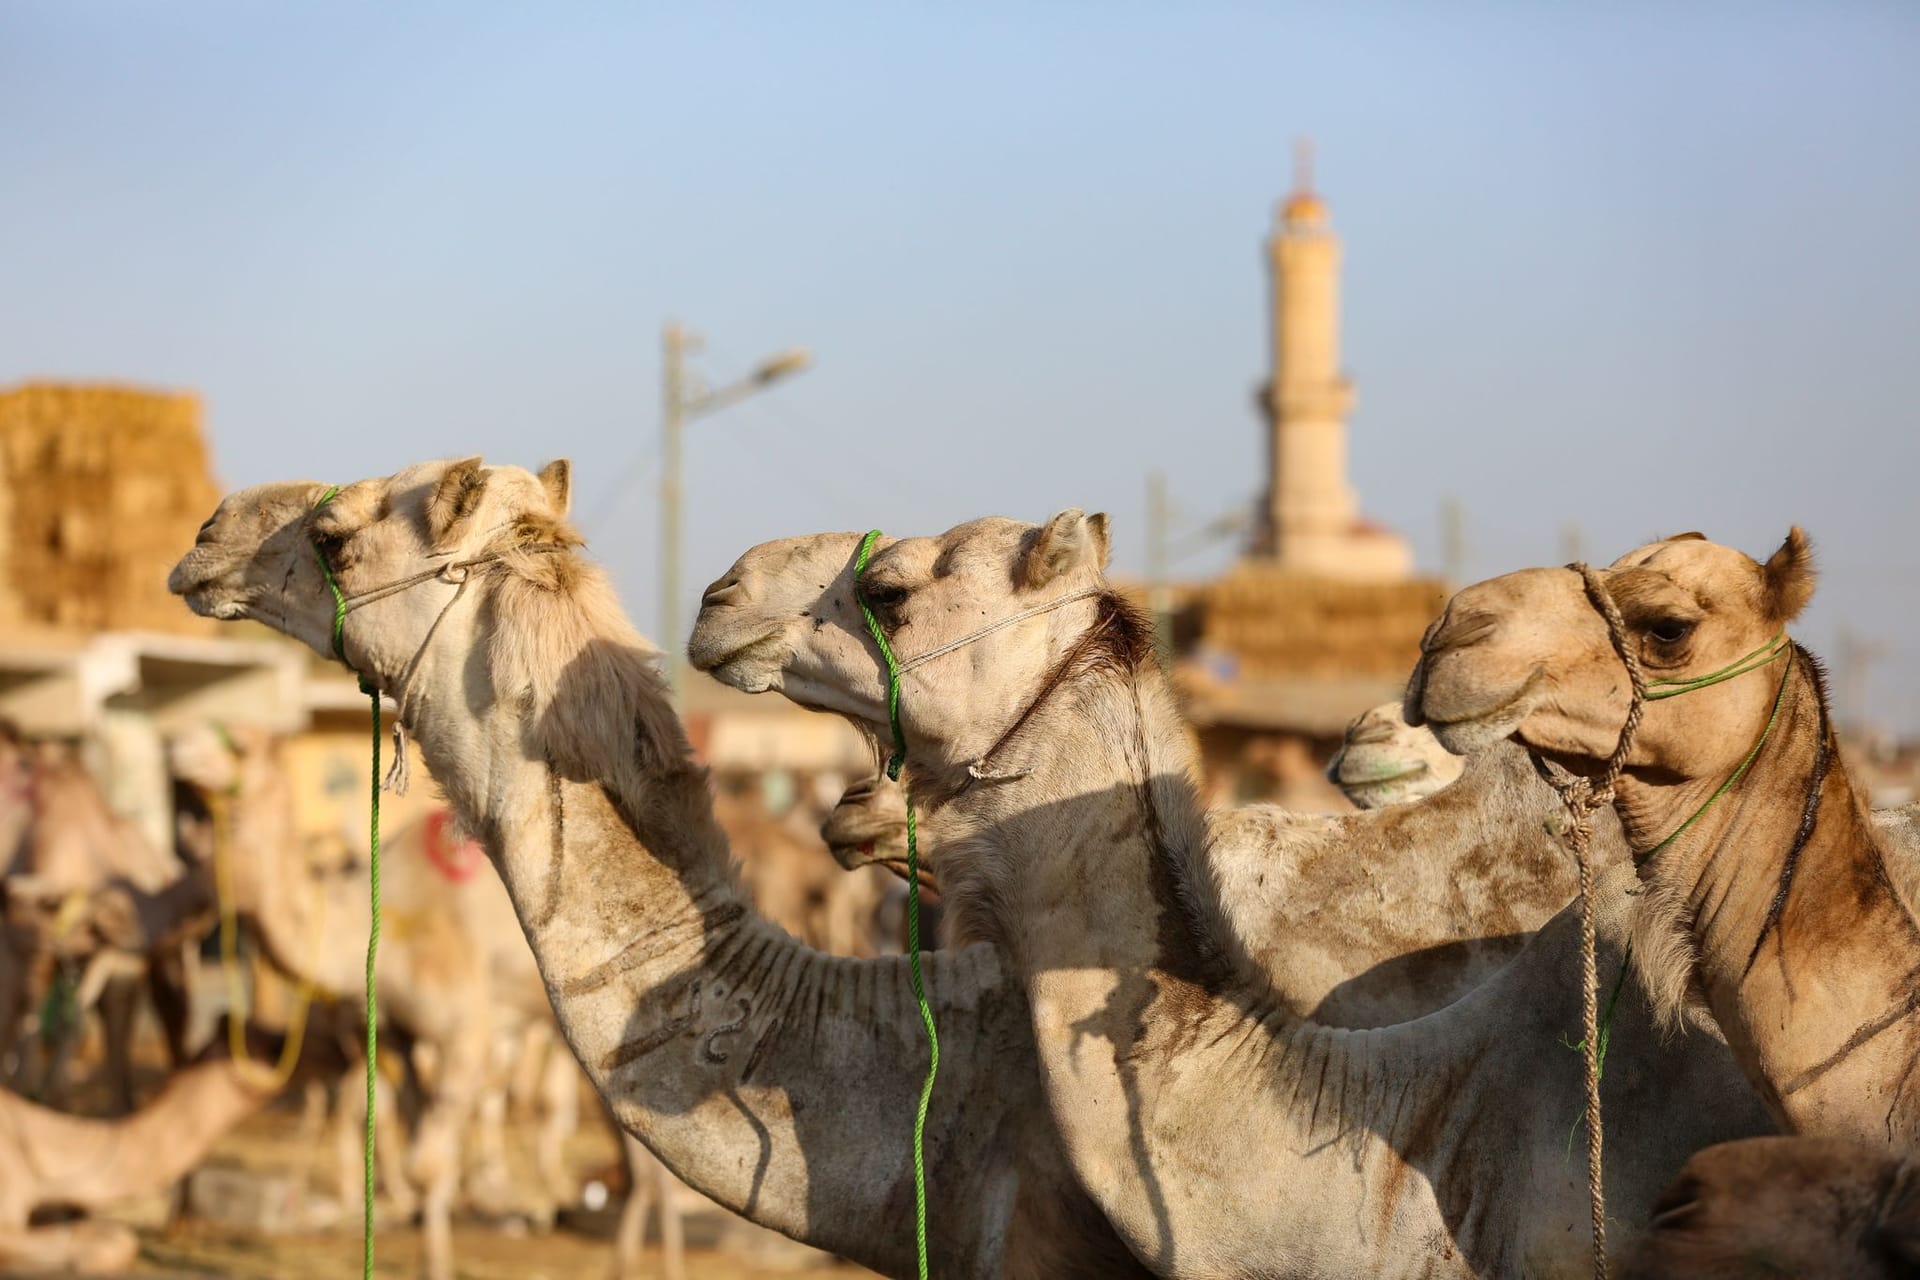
x: 481, y: 1255
x: 270, y: 1155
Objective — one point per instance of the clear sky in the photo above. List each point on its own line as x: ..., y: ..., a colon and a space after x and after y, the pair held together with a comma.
x: 1637, y: 267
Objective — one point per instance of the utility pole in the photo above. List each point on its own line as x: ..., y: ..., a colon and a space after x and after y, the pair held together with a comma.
x: 1573, y: 543
x: 673, y: 355
x: 1453, y: 541
x: 681, y: 400
x: 1855, y: 653
x: 1158, y: 518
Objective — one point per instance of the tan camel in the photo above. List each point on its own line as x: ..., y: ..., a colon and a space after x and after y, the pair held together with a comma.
x: 795, y: 888
x: 456, y: 975
x: 73, y: 859
x: 438, y: 982
x: 1809, y: 1208
x: 1768, y: 890
x: 52, y: 1160
x: 1220, y: 1132
x: 1384, y: 760
x: 776, y: 1080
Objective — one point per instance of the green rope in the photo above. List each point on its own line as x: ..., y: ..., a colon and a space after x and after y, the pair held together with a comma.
x: 1772, y: 649
x: 894, y: 763
x: 1766, y: 653
x: 373, y: 935
x: 1640, y: 859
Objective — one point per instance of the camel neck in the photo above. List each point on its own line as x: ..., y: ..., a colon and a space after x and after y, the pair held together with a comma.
x: 1105, y: 841
x: 98, y: 1162
x: 1806, y: 953
x: 774, y: 1079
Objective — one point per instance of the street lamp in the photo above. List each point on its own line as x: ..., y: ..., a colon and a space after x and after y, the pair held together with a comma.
x: 682, y: 400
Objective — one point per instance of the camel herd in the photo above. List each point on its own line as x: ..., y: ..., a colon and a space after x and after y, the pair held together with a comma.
x: 1175, y: 1042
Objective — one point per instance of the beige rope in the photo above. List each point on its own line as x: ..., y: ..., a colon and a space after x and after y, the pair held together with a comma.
x: 1582, y: 796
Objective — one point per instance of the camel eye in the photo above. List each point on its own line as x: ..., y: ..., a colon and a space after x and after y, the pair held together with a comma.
x: 1670, y: 630
x: 885, y: 600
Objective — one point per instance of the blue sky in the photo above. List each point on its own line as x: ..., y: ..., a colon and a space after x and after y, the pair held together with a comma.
x: 1637, y: 267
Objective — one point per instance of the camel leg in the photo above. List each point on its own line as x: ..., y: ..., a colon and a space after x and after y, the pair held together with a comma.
x: 673, y: 1241
x: 559, y: 1119
x: 390, y: 1152
x: 118, y: 1006
x: 170, y: 989
x: 462, y: 1075
x: 632, y: 1231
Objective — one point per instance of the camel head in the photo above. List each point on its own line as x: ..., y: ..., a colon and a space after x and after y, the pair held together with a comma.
x: 868, y: 827
x: 1384, y: 760
x: 1779, y: 1206
x: 1014, y: 599
x: 259, y: 555
x: 1528, y: 656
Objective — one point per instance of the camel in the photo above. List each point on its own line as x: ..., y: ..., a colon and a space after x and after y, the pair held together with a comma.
x: 793, y: 887
x: 1220, y: 1132
x: 456, y: 975
x: 1812, y: 1208
x: 69, y: 858
x: 776, y: 1080
x: 1768, y: 892
x: 448, y: 976
x: 50, y: 1160
x: 1384, y: 760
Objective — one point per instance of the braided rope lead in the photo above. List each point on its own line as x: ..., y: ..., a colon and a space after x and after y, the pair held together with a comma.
x: 373, y: 932
x: 894, y: 763
x: 1582, y: 796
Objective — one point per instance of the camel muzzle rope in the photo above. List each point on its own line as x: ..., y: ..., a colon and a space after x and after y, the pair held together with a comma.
x: 1582, y: 796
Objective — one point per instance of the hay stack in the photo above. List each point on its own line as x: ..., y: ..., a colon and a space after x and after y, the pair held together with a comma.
x: 101, y: 490
x: 1279, y: 624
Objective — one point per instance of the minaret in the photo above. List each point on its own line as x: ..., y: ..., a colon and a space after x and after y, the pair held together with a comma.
x: 1312, y: 513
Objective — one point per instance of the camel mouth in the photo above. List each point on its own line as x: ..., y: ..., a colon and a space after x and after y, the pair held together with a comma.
x: 1343, y: 772
x: 751, y: 667
x: 1466, y: 731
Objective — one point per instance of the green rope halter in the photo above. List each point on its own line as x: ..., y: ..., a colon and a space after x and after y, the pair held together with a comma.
x: 1760, y: 657
x: 373, y: 936
x: 1766, y: 653
x: 894, y: 762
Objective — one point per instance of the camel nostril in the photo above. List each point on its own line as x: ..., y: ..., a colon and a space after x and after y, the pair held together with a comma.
x: 1458, y: 632
x: 725, y: 591
x: 206, y: 532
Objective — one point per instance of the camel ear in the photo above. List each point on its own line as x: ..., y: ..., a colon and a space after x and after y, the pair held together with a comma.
x: 1065, y: 542
x: 455, y: 498
x: 557, y: 479
x: 1787, y: 578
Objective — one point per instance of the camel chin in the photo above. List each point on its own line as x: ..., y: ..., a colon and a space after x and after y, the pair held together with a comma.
x: 1376, y: 790
x: 1468, y: 737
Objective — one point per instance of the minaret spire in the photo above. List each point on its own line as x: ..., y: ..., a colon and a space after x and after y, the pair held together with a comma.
x: 1313, y: 521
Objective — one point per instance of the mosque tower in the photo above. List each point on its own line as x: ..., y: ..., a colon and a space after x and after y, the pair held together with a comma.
x: 1312, y: 515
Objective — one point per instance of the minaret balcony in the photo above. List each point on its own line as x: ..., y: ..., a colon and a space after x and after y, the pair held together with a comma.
x: 1320, y: 402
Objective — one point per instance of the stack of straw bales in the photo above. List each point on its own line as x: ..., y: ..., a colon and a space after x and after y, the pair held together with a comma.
x: 101, y: 490
x: 1279, y: 624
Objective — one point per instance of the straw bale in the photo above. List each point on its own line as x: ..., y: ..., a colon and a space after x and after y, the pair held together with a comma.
x: 101, y: 489
x: 1277, y: 623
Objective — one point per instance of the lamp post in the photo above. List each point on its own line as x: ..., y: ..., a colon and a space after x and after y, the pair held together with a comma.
x: 682, y: 400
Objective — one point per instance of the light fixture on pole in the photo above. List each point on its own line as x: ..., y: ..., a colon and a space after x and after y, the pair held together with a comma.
x: 681, y: 402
